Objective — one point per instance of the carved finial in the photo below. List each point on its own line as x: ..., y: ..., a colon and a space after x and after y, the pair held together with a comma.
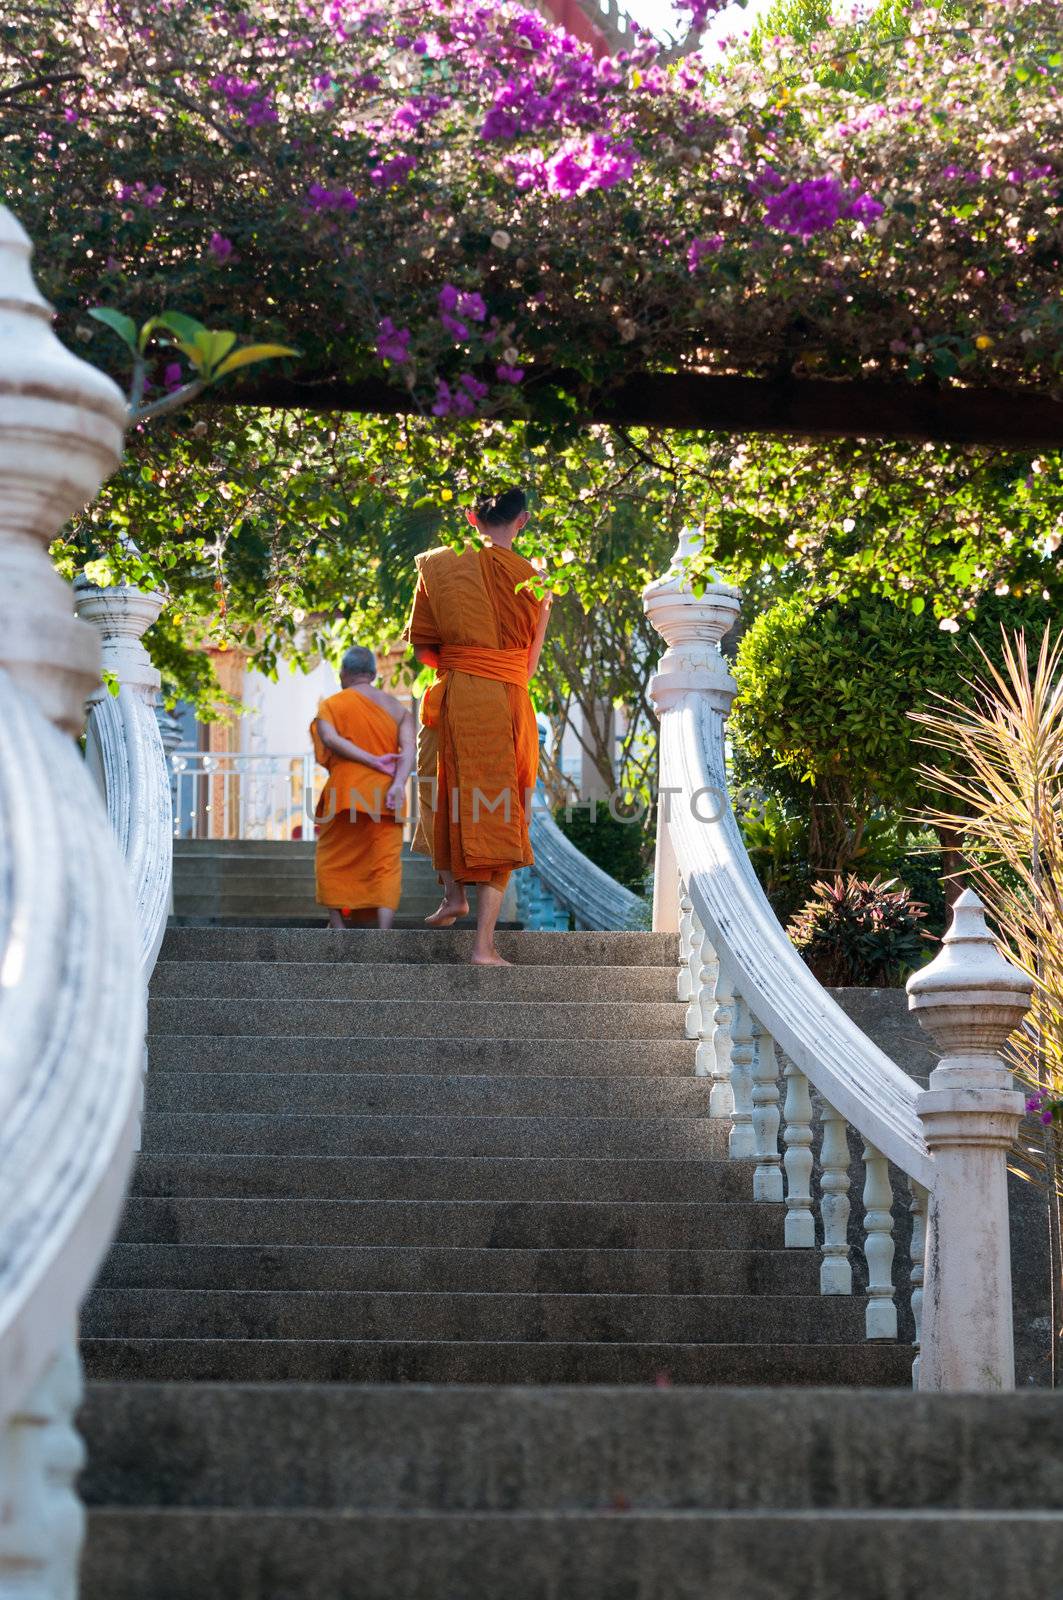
x: 692, y: 626
x: 970, y: 997
x: 61, y: 425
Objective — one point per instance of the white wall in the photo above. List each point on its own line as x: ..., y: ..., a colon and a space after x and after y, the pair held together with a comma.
x: 279, y: 714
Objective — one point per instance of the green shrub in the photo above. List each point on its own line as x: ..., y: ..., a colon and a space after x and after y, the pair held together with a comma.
x: 860, y: 934
x: 618, y: 847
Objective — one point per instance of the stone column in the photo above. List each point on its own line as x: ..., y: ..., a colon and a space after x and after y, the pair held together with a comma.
x: 969, y: 999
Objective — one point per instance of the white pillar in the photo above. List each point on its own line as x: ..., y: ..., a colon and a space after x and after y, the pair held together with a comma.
x: 665, y: 875
x: 969, y: 999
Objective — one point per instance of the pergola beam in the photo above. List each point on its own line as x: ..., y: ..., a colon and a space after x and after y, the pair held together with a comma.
x: 1017, y: 419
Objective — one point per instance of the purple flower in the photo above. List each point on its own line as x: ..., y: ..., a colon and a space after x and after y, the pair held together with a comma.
x: 172, y: 376
x: 221, y: 248
x: 813, y: 205
x: 318, y: 198
x: 457, y: 330
x: 394, y: 170
x: 698, y: 249
x: 507, y: 374
x: 1046, y: 1117
x: 472, y: 305
x: 392, y: 344
x: 444, y: 401
x: 473, y: 386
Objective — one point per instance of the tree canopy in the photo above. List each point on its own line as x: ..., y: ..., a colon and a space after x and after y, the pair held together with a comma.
x: 462, y: 201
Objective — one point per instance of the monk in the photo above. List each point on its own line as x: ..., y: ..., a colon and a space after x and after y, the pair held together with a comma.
x: 365, y: 740
x: 475, y: 621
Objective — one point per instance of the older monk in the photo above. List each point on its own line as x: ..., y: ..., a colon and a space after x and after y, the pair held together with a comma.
x: 365, y: 740
x: 478, y: 623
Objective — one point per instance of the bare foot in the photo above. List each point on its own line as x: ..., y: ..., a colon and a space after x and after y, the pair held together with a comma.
x: 448, y: 913
x: 491, y: 959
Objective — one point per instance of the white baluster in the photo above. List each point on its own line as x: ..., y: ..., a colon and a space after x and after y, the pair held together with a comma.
x: 742, y: 1145
x: 709, y: 977
x: 767, y: 1179
x: 721, y: 1095
x: 881, y: 1319
x: 41, y: 1455
x: 836, y: 1274
x: 918, y: 1210
x: 800, y: 1232
x: 692, y: 1020
x: 684, y: 983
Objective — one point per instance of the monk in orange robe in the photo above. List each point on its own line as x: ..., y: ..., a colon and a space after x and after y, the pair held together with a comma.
x: 475, y: 621
x: 365, y: 740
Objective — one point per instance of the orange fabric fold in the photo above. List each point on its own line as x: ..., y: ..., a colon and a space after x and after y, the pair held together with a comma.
x: 474, y: 618
x: 501, y: 666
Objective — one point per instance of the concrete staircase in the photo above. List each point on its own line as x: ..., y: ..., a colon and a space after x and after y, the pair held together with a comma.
x: 270, y: 883
x: 373, y: 1176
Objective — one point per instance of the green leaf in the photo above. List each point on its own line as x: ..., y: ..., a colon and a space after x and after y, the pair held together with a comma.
x: 251, y: 353
x: 119, y: 323
x: 185, y: 329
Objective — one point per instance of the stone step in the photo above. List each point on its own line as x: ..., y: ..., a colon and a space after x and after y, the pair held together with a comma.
x: 279, y: 869
x: 442, y: 1178
x: 511, y: 1224
x: 417, y: 945
x: 591, y: 1555
x: 282, y: 904
x: 452, y: 1316
x: 317, y: 921
x: 478, y: 1449
x: 348, y: 1361
x: 385, y: 1134
x: 392, y: 1268
x: 409, y: 1019
x: 564, y: 1058
x: 430, y: 982
x: 419, y: 1094
x: 243, y: 849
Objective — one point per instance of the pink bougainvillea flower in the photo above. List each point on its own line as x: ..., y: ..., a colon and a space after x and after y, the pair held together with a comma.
x: 221, y: 248
x: 392, y: 344
x: 507, y: 374
x: 698, y: 249
x: 813, y: 205
x: 172, y: 376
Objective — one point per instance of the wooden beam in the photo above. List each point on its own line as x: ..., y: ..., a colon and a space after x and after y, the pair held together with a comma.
x: 809, y: 408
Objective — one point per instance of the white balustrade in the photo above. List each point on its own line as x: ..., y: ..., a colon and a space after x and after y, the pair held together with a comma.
x: 881, y: 1318
x: 692, y: 1018
x: 918, y: 1255
x: 708, y: 978
x: 742, y: 1144
x: 71, y: 989
x: 125, y: 752
x: 836, y: 1272
x: 767, y: 1177
x: 722, y: 1095
x: 800, y: 1225
x: 950, y: 1141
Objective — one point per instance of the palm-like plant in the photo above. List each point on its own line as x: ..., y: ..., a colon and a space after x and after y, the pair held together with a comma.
x: 1004, y: 772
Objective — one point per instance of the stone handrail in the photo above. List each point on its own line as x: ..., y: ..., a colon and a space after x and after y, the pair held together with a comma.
x: 595, y: 900
x: 72, y: 999
x: 748, y: 989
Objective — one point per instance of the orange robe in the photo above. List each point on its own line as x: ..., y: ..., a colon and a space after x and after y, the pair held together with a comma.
x: 358, y: 860
x: 471, y: 622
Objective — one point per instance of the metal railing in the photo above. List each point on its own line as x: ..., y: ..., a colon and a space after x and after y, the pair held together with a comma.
x: 244, y: 794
